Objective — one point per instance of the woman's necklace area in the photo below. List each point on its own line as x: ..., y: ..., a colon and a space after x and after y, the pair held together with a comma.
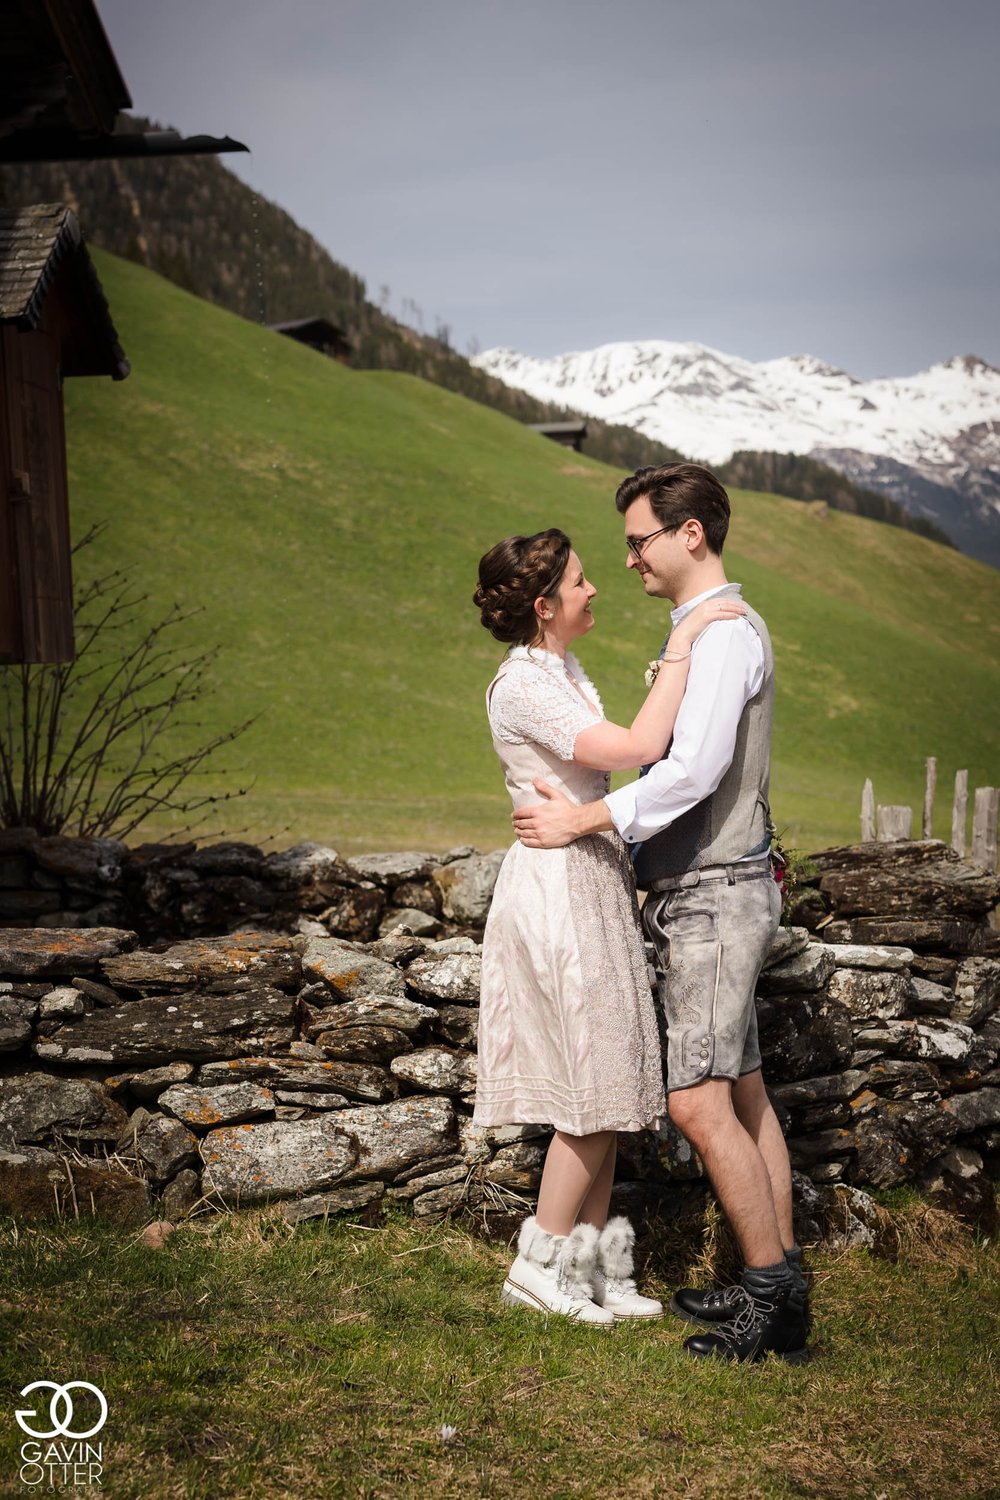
x: 552, y: 661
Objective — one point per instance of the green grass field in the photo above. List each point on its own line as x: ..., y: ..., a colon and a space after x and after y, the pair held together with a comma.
x: 330, y: 521
x: 248, y: 1359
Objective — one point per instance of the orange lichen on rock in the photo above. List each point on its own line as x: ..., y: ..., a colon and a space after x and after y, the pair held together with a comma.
x: 206, y: 1115
x: 345, y: 980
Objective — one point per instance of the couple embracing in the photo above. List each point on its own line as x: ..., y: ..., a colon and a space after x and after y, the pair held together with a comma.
x: 568, y: 1029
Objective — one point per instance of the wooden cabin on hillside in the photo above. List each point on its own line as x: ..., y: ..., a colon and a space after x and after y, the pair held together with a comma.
x: 61, y: 98
x: 319, y: 334
x: 566, y: 434
x: 54, y: 322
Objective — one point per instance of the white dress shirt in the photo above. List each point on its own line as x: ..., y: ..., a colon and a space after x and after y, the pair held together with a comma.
x: 727, y: 670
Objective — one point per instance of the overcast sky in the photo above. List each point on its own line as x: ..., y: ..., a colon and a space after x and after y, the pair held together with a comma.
x: 764, y: 176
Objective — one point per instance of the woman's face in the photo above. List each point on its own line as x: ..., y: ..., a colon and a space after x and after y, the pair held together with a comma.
x: 571, y: 616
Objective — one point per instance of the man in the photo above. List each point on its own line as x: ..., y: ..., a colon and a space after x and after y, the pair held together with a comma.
x: 700, y: 824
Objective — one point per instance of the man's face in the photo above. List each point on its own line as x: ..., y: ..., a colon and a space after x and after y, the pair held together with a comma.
x: 664, y: 557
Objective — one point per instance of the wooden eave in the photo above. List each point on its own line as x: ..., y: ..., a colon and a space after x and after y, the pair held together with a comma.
x: 57, y: 69
x: 43, y: 254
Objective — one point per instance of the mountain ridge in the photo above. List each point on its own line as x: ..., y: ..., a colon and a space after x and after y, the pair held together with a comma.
x: 936, y: 433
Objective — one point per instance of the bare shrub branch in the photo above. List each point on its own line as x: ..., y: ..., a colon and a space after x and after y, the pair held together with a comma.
x: 85, y: 744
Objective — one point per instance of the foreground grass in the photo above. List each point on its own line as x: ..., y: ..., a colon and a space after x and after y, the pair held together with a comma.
x: 251, y: 1359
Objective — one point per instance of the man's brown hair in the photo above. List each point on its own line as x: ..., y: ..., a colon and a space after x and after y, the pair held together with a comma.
x: 679, y: 493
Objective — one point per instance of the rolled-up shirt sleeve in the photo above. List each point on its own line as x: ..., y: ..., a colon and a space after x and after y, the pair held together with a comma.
x: 727, y: 670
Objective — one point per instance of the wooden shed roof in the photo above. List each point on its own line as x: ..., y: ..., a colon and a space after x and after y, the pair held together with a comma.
x: 62, y: 91
x: 36, y: 244
x: 317, y: 327
x: 557, y: 429
x: 57, y: 69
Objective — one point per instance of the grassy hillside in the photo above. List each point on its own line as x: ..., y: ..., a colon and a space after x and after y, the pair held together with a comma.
x: 192, y: 220
x: 331, y: 520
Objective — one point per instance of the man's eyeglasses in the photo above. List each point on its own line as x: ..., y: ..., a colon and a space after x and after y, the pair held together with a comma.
x: 635, y: 544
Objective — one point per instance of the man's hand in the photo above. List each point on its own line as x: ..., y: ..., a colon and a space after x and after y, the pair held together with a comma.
x: 557, y: 821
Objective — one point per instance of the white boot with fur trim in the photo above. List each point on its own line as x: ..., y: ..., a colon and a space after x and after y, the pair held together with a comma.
x: 614, y: 1288
x: 553, y: 1273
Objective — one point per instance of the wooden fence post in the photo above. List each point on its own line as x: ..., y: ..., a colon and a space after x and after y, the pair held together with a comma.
x: 868, y: 813
x: 984, y: 827
x: 929, y: 791
x: 894, y: 822
x: 958, y: 813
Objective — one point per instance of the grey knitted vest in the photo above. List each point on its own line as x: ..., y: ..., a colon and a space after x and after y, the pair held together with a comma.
x: 735, y: 819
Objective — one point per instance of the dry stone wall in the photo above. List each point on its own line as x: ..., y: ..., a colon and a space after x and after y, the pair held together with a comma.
x: 185, y: 1028
x: 176, y: 891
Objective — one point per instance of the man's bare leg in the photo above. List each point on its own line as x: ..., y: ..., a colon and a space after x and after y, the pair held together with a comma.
x: 772, y: 1274
x: 735, y: 1164
x: 756, y: 1114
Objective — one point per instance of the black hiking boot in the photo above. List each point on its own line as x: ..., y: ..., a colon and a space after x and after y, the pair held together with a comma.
x: 705, y: 1309
x: 766, y: 1322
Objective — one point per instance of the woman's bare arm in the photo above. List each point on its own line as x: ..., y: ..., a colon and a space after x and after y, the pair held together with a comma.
x: 612, y: 747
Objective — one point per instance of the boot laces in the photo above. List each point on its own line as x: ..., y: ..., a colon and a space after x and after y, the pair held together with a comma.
x: 620, y: 1286
x: 726, y: 1297
x: 570, y: 1284
x: 752, y: 1312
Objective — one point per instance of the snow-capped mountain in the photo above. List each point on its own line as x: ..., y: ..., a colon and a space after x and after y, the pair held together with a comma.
x: 912, y: 436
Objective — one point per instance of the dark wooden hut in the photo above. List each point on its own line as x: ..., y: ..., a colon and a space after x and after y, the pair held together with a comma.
x: 566, y: 434
x: 320, y: 334
x: 54, y: 323
x: 61, y: 97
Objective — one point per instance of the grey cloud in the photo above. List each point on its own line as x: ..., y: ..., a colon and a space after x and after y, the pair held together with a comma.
x: 767, y: 177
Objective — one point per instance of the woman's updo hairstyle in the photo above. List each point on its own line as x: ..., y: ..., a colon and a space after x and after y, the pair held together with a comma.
x: 512, y: 575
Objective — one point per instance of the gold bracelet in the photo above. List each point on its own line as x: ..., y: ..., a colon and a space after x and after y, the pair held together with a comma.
x: 652, y: 671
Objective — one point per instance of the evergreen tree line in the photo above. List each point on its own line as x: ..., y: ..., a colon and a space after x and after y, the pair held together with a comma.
x: 803, y: 478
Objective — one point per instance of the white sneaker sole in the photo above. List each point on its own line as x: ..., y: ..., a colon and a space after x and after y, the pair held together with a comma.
x: 515, y: 1295
x: 624, y: 1317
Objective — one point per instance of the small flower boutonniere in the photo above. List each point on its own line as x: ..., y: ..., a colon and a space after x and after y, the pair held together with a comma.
x: 653, y: 670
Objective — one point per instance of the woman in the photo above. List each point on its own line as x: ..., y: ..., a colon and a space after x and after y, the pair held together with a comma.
x: 568, y: 1033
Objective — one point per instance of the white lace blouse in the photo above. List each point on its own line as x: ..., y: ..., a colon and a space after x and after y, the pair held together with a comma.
x: 534, y: 700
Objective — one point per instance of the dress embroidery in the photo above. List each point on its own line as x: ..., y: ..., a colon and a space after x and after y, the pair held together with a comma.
x: 533, y: 700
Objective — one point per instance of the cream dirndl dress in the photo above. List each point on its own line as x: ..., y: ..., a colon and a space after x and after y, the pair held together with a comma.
x: 568, y: 1032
